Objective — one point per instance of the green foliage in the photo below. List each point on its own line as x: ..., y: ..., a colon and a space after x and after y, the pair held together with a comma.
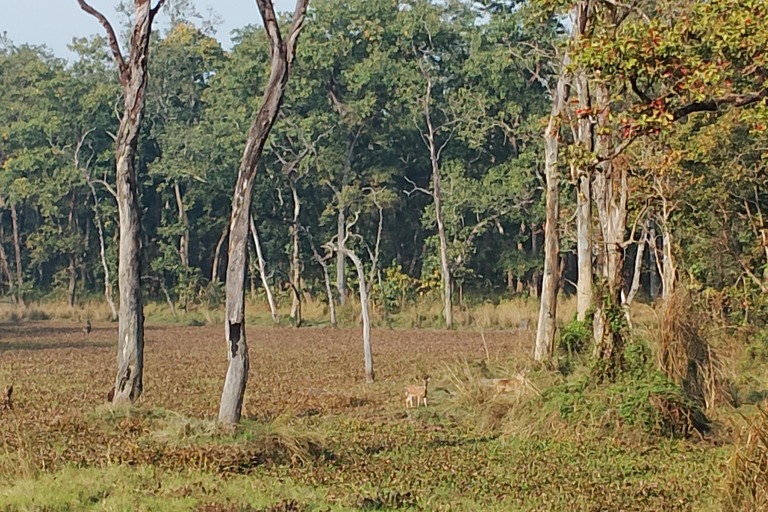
x: 395, y: 289
x: 575, y: 337
x: 640, y: 397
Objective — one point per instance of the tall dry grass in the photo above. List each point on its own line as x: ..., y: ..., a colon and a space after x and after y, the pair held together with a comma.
x: 515, y: 313
x: 746, y: 481
x: 685, y: 353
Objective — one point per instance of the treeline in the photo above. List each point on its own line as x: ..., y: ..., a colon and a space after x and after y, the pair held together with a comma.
x: 382, y: 93
x: 412, y: 132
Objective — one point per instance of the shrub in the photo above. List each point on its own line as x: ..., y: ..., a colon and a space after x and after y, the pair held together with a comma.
x: 575, y: 337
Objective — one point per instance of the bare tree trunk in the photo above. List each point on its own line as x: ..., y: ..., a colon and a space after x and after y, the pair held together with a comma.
x: 72, y: 282
x: 328, y: 290
x: 283, y: 52
x: 669, y: 270
x: 637, y: 270
x: 168, y: 297
x: 17, y: 250
x: 133, y: 78
x: 295, y: 256
x: 184, y: 219
x: 368, y: 354
x: 326, y: 276
x: 444, y: 266
x: 545, y: 333
x: 582, y: 177
x: 6, y: 269
x: 263, y: 274
x: 217, y: 255
x: 341, y: 224
x: 635, y: 287
x: 341, y: 276
x: 103, y: 252
x: 437, y: 198
x: 654, y: 265
x: 72, y: 269
x: 610, y: 192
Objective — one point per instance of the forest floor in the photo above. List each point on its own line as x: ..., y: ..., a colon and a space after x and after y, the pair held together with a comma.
x: 316, y: 437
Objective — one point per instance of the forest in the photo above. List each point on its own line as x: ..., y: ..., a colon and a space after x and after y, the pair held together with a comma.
x: 587, y: 178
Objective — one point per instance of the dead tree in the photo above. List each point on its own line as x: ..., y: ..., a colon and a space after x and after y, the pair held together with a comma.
x: 435, y: 152
x: 322, y: 261
x: 283, y: 52
x: 97, y: 219
x: 291, y: 161
x: 133, y: 78
x: 263, y: 273
x: 363, y: 286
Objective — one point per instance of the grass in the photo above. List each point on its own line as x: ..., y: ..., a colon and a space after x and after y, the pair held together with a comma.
x: 316, y: 437
x: 514, y: 313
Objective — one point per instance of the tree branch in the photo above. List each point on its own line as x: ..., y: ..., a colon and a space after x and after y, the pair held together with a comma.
x: 113, y: 44
x: 713, y: 105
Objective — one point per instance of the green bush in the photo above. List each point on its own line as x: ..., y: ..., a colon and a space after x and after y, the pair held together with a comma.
x: 575, y: 337
x: 641, y: 396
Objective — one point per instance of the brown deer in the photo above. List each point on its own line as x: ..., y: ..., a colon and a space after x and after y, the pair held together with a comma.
x: 7, y: 402
x: 417, y: 392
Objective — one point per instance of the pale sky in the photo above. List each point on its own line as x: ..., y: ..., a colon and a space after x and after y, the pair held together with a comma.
x: 55, y: 22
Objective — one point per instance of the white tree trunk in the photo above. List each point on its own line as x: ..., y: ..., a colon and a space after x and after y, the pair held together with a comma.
x: 582, y: 178
x: 263, y: 274
x: 368, y: 354
x: 545, y: 333
x: 103, y: 252
x: 295, y: 257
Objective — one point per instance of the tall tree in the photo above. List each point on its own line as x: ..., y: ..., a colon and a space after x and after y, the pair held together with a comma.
x: 133, y: 78
x: 545, y: 334
x: 283, y: 52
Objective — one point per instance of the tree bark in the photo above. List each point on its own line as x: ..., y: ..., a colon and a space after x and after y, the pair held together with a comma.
x: 437, y: 198
x: 545, y: 333
x: 133, y: 78
x: 263, y: 274
x: 184, y: 219
x: 341, y: 224
x: 282, y: 52
x: 368, y: 354
x: 635, y: 287
x: 6, y: 269
x: 295, y: 256
x: 72, y: 269
x: 17, y: 250
x: 341, y: 276
x: 582, y: 178
x: 328, y: 289
x: 653, y: 267
x: 103, y: 252
x: 669, y: 270
x: 217, y: 255
x: 610, y: 193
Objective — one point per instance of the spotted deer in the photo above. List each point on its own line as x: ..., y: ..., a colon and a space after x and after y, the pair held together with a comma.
x: 416, y: 392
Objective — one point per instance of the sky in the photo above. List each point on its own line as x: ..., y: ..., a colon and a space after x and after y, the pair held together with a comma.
x: 55, y: 22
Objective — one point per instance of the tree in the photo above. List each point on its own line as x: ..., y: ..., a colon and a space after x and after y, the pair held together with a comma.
x: 283, y: 52
x: 545, y: 334
x: 133, y: 78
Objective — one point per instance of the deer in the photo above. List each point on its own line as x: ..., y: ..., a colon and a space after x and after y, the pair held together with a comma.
x: 7, y: 402
x: 417, y: 392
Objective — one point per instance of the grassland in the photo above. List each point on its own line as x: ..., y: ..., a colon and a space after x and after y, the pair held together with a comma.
x: 316, y: 437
